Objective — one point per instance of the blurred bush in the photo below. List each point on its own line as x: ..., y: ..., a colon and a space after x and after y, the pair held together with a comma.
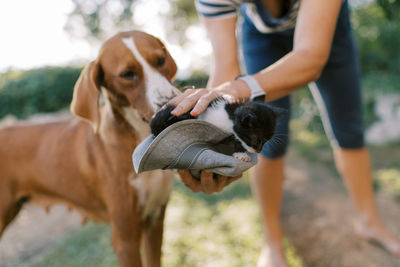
x: 377, y: 31
x: 49, y: 89
x: 39, y: 90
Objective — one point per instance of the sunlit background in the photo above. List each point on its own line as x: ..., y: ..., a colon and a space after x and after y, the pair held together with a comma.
x: 33, y: 35
x: 38, y: 33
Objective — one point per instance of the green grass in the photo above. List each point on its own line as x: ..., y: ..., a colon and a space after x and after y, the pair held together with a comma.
x: 200, y: 230
x: 88, y: 246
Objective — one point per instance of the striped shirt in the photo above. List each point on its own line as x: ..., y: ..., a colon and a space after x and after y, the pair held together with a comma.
x: 255, y: 10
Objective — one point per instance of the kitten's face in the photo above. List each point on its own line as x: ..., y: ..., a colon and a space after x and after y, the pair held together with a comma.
x: 254, y: 124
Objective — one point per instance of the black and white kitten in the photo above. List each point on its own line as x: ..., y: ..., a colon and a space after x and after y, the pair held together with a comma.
x: 251, y: 123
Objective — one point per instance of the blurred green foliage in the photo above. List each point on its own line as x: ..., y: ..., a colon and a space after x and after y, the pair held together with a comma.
x: 378, y: 36
x: 39, y: 90
x: 391, y: 8
x: 49, y: 89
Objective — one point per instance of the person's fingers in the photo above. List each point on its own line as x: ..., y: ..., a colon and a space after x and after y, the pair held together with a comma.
x: 230, y: 98
x: 188, y: 102
x: 203, y: 102
x: 232, y: 179
x: 189, y: 181
x: 177, y: 99
x: 207, y: 182
x: 222, y: 182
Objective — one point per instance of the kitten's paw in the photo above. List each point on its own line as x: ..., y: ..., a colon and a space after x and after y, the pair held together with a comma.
x: 242, y: 156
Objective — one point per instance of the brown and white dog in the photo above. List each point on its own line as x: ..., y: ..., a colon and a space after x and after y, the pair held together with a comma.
x: 87, y: 163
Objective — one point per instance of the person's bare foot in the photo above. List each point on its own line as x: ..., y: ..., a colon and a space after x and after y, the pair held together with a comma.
x: 377, y: 232
x: 271, y: 257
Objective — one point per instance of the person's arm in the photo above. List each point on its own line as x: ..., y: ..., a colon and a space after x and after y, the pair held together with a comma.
x: 315, y: 27
x: 222, y: 34
x: 314, y: 32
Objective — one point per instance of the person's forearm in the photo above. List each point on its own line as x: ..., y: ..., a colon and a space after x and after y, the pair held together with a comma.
x: 291, y: 72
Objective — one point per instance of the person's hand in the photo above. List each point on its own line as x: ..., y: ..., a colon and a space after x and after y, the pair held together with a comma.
x: 199, y: 99
x: 209, y: 182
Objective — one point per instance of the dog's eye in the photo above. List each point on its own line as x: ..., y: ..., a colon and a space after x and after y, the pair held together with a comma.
x: 128, y: 75
x: 160, y: 61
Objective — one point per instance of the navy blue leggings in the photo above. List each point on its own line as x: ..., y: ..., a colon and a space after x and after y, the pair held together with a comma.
x: 337, y: 91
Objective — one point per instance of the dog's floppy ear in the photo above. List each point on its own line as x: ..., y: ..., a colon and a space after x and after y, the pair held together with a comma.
x: 170, y: 66
x: 85, y: 100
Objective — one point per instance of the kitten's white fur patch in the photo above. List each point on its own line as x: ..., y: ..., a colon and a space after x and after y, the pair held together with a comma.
x: 217, y: 115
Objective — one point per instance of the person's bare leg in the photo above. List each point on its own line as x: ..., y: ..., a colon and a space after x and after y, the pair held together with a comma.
x: 267, y: 182
x: 355, y: 167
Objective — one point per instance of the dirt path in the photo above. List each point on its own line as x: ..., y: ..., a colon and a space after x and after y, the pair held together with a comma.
x: 317, y: 218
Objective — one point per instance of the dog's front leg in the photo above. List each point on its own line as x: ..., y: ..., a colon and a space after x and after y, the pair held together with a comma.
x: 126, y: 226
x: 126, y: 242
x: 8, y: 205
x: 152, y: 240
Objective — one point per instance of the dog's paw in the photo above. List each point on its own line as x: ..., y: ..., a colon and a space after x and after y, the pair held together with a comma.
x: 242, y: 156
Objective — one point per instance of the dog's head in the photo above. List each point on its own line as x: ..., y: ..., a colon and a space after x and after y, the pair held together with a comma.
x: 134, y: 69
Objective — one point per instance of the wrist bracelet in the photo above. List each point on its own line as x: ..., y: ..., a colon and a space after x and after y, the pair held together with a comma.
x: 255, y: 88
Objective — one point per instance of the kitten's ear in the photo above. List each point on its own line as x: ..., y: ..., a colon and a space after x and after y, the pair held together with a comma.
x: 249, y: 120
x: 279, y: 112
